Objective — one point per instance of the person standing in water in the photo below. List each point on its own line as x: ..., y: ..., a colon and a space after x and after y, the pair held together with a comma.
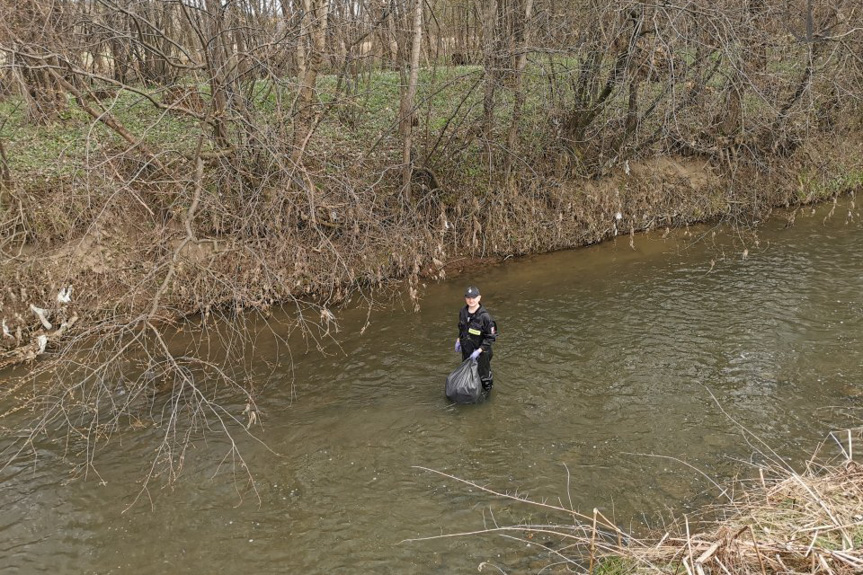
x: 476, y: 334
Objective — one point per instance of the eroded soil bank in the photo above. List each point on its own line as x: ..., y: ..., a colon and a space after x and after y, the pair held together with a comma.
x: 130, y: 262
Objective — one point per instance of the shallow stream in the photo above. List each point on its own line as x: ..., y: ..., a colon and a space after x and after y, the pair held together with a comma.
x: 627, y: 378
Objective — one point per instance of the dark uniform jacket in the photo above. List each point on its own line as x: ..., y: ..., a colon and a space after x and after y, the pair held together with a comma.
x: 476, y: 330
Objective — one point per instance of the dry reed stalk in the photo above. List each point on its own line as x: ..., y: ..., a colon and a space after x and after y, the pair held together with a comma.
x: 779, y: 515
x: 757, y: 553
x: 593, y: 541
x: 804, y: 523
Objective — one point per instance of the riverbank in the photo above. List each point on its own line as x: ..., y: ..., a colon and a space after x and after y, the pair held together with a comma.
x: 217, y: 174
x: 777, y: 521
x: 604, y: 356
x: 121, y: 263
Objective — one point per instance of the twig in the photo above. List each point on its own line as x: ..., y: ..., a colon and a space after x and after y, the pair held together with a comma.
x: 593, y: 541
x: 708, y: 553
x: 846, y: 539
x: 824, y: 564
x: 757, y: 552
x: 722, y: 491
x: 688, y: 539
x: 514, y: 497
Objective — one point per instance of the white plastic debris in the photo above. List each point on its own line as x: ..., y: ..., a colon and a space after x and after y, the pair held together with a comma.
x: 6, y: 332
x: 65, y: 295
x: 327, y: 316
x: 40, y: 313
x: 43, y: 342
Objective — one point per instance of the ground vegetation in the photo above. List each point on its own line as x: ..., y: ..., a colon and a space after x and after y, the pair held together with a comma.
x: 775, y: 519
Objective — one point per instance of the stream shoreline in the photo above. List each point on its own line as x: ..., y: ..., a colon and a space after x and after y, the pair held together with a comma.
x: 121, y: 274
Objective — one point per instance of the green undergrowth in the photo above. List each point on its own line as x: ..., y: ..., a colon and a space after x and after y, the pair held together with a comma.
x: 359, y: 123
x: 74, y: 141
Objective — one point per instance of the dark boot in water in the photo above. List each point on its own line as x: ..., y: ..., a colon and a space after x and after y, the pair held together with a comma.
x: 487, y: 384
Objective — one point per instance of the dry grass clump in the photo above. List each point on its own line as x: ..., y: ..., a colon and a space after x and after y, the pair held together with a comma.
x: 795, y: 523
x: 784, y: 522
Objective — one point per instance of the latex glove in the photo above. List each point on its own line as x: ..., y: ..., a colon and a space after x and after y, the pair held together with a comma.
x: 458, y: 345
x: 475, y: 354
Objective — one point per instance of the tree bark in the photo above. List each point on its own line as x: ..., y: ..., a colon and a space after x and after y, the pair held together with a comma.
x: 316, y: 24
x: 519, y: 96
x: 409, y: 95
x: 489, y: 40
x: 217, y: 57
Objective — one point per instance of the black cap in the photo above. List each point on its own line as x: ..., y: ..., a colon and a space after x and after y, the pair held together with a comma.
x: 471, y: 291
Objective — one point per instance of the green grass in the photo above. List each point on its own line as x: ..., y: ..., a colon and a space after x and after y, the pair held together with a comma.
x: 62, y: 148
x: 820, y: 186
x: 449, y: 103
x: 613, y: 566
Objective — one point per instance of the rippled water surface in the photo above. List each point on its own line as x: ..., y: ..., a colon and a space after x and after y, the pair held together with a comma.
x: 624, y: 376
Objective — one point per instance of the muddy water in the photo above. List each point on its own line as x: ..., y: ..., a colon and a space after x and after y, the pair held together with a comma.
x: 627, y: 378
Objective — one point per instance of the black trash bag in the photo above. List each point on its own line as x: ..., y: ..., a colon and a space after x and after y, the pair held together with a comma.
x: 463, y: 385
